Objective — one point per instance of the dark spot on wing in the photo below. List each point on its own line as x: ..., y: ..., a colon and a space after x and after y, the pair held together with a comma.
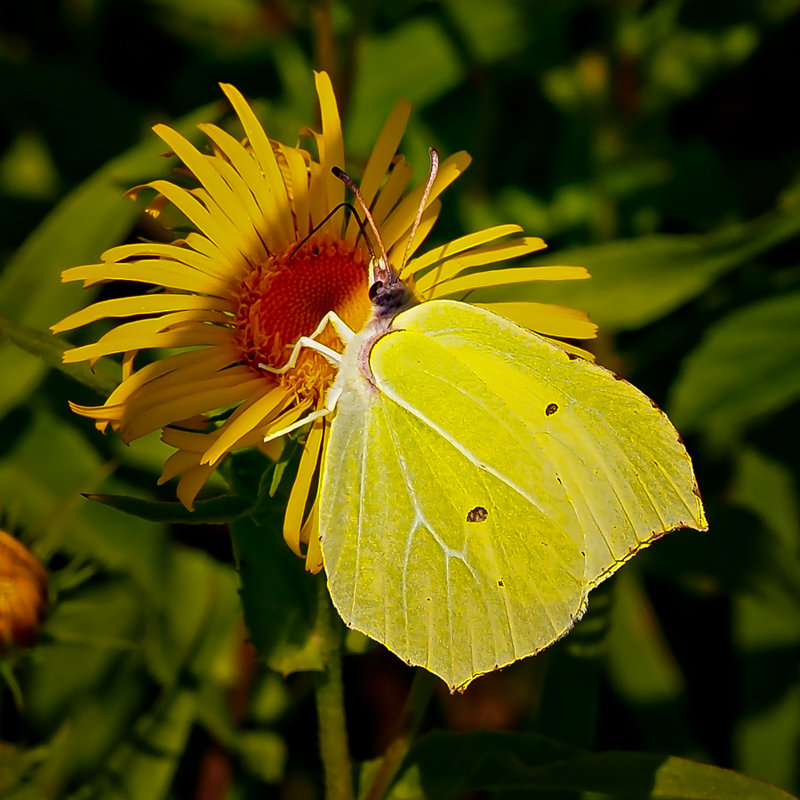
x: 500, y: 584
x: 477, y: 514
x: 551, y: 409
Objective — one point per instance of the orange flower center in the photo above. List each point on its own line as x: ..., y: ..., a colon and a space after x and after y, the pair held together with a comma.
x: 286, y: 297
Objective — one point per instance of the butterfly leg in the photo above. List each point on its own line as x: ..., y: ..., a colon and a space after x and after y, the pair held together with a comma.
x: 297, y: 424
x: 345, y: 334
x: 330, y: 404
x: 342, y: 331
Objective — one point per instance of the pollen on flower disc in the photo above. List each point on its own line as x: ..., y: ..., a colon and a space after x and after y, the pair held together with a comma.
x: 286, y: 296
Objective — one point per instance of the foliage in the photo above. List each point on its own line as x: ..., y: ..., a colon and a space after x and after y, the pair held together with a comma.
x: 648, y: 141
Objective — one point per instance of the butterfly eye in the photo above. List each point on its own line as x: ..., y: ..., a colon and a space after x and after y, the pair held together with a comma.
x: 374, y: 289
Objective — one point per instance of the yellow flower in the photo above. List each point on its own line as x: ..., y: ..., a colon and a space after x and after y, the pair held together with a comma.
x: 268, y: 257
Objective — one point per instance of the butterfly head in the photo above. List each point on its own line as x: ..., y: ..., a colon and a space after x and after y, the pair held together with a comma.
x: 387, y: 292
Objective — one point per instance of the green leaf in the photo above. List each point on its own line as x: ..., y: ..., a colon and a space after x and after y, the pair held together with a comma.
x: 642, y: 667
x: 195, y: 625
x: 15, y: 766
x: 446, y: 765
x: 263, y: 754
x: 386, y: 74
x: 278, y: 595
x: 104, y: 378
x: 214, y: 510
x: 40, y: 493
x: 143, y: 767
x: 86, y: 680
x: 745, y: 368
x: 93, y: 217
x: 492, y: 31
x: 637, y: 281
x: 766, y: 629
x: 643, y: 672
x: 567, y: 710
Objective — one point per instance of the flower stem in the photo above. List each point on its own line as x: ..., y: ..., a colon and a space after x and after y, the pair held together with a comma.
x: 333, y: 745
x: 414, y: 710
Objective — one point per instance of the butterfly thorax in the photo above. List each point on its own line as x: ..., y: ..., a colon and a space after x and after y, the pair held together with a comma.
x: 389, y: 296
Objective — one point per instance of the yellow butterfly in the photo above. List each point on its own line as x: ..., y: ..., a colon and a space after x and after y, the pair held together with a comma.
x: 479, y: 481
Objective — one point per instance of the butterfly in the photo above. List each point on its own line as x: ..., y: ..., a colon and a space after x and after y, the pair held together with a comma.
x: 478, y: 481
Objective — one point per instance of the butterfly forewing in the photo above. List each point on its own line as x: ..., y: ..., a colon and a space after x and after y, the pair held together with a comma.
x: 616, y: 458
x: 433, y: 556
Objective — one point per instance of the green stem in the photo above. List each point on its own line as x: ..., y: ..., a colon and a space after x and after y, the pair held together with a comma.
x: 50, y: 349
x: 417, y: 701
x: 330, y: 703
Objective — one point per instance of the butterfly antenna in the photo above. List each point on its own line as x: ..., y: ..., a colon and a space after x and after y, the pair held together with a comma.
x: 351, y: 185
x: 431, y: 178
x: 348, y: 206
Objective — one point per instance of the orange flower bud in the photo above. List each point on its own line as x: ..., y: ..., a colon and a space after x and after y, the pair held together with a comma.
x: 23, y: 593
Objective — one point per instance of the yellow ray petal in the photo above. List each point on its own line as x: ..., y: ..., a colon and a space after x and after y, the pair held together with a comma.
x: 228, y: 267
x: 190, y: 441
x: 104, y: 415
x: 178, y: 368
x: 400, y: 251
x: 222, y: 202
x: 215, y: 226
x: 318, y: 200
x: 176, y: 464
x: 157, y: 271
x: 251, y: 221
x: 477, y: 257
x: 272, y: 449
x: 174, y: 252
x: 310, y: 534
x: 468, y: 242
x: 199, y: 401
x: 296, y: 506
x: 276, y: 207
x: 249, y: 246
x: 138, y: 305
x: 246, y: 420
x: 238, y: 186
x: 391, y: 192
x: 404, y: 215
x: 331, y: 144
x: 491, y: 277
x: 128, y: 361
x: 297, y: 167
x: 191, y: 482
x: 193, y: 382
x: 141, y: 335
x: 381, y: 157
x: 244, y: 163
x: 551, y: 320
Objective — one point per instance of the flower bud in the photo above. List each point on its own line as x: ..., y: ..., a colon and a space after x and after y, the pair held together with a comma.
x: 23, y: 594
